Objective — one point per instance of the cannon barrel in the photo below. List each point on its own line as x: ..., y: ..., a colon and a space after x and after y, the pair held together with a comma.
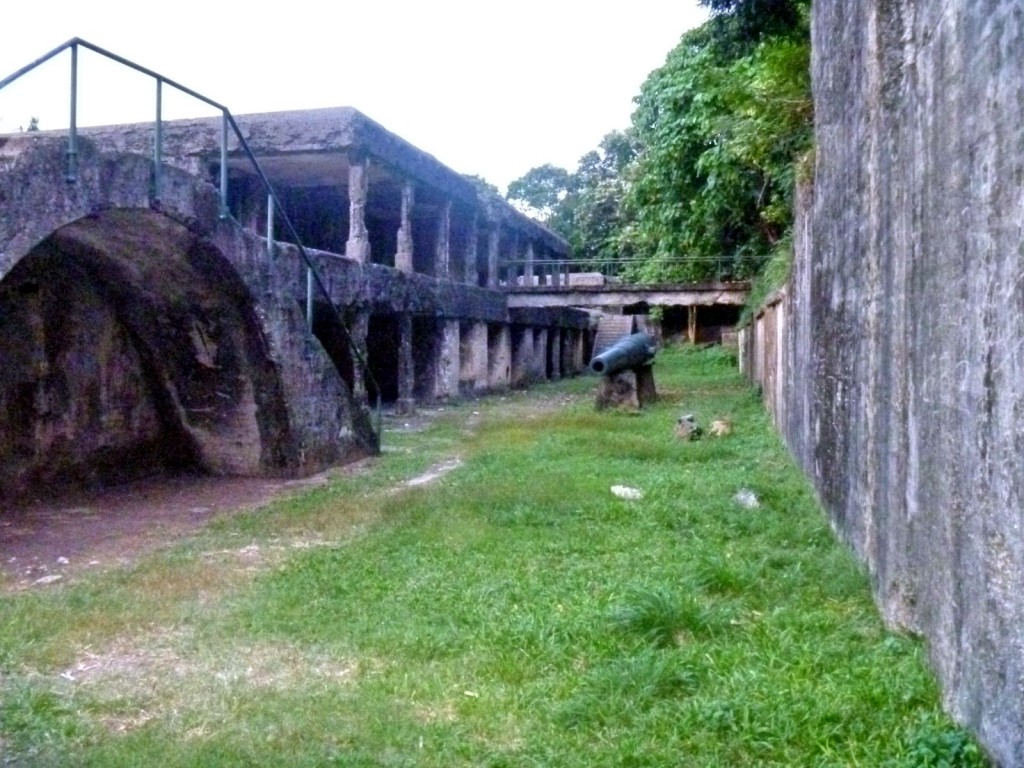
x: 628, y: 352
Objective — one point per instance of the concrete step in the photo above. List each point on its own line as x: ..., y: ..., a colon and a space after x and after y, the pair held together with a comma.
x: 611, y: 328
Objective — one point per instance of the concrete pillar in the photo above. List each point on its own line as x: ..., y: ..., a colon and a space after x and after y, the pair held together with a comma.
x: 442, y: 255
x: 555, y: 362
x: 499, y: 357
x: 493, y: 252
x: 540, y: 354
x: 522, y: 356
x: 404, y: 250
x: 691, y: 323
x: 358, y: 245
x: 359, y: 329
x: 568, y: 345
x: 406, y: 367
x: 446, y: 381
x: 470, y: 253
x: 473, y: 378
x: 528, y: 266
x: 577, y: 353
x: 511, y: 266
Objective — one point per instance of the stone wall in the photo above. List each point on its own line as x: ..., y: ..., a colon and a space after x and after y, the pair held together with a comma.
x: 902, y: 389
x: 138, y: 334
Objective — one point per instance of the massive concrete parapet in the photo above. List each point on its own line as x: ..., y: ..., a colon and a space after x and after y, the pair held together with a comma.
x: 896, y: 359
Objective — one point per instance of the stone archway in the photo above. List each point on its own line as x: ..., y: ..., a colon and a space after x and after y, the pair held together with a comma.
x: 131, y: 345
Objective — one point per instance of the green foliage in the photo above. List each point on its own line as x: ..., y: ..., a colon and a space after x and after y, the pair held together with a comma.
x: 482, y: 185
x: 935, y: 743
x: 583, y: 206
x: 771, y: 278
x: 738, y: 24
x: 541, y: 190
x: 662, y: 618
x: 720, y: 135
x: 701, y: 184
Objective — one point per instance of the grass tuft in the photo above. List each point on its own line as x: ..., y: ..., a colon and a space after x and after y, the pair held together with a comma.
x: 662, y: 618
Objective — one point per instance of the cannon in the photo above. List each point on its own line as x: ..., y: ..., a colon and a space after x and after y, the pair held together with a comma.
x: 634, y: 353
x: 627, y: 353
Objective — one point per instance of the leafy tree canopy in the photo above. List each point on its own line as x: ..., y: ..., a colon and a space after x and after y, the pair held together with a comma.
x: 700, y: 186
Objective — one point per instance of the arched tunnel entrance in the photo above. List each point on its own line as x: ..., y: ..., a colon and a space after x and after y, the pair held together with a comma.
x: 131, y: 347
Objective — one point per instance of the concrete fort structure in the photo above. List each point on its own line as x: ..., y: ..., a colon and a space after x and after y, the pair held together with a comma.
x: 150, y: 321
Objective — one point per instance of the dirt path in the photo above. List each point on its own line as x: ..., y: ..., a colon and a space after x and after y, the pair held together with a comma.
x: 49, y: 541
x: 46, y: 541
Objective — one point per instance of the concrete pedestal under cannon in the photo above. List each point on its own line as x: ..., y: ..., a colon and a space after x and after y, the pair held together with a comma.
x: 627, y: 372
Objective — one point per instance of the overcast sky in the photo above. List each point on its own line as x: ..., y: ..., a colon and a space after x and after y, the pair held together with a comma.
x: 491, y: 88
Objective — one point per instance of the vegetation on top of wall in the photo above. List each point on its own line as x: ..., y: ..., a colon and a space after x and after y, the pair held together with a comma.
x: 700, y: 186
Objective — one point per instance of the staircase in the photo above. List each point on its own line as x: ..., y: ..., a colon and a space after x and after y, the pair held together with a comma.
x: 611, y: 328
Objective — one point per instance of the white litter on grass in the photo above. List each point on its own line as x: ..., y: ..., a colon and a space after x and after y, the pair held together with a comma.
x: 625, y: 492
x: 746, y: 498
x: 48, y: 579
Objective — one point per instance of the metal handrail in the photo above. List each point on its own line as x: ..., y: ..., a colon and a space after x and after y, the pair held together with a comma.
x: 559, y: 268
x: 227, y: 119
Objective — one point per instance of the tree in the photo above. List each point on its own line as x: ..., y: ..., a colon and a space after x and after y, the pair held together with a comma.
x: 540, y: 190
x: 482, y: 185
x: 741, y: 24
x: 719, y: 135
x: 701, y: 185
x: 583, y: 206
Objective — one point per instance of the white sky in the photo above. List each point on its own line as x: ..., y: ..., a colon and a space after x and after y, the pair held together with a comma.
x: 492, y: 88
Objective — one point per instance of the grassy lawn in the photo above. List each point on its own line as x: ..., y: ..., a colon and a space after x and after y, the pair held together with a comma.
x: 510, y: 612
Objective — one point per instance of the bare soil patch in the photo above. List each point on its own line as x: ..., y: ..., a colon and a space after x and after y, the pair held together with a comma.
x: 51, y: 540
x: 46, y: 541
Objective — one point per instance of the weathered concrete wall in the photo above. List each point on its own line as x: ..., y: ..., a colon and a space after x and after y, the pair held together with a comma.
x: 164, y: 315
x: 903, y: 366
x: 76, y: 404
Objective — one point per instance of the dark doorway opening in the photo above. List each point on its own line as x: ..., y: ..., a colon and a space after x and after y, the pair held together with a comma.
x: 382, y: 344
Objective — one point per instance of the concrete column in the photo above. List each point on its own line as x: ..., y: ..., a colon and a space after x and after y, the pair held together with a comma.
x: 493, y: 252
x: 511, y: 266
x: 470, y: 254
x: 528, y: 266
x: 691, y: 323
x: 359, y: 329
x: 556, y: 354
x: 442, y: 256
x: 499, y: 357
x: 577, y: 353
x: 473, y: 377
x: 540, y: 354
x: 406, y: 367
x: 446, y: 381
x: 358, y: 245
x: 404, y: 250
x: 522, y: 356
x: 568, y: 344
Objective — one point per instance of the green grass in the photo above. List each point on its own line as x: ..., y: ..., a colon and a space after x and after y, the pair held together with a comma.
x: 513, y: 613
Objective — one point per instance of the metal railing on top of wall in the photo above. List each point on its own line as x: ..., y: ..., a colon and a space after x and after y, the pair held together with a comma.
x: 557, y: 271
x: 313, y: 276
